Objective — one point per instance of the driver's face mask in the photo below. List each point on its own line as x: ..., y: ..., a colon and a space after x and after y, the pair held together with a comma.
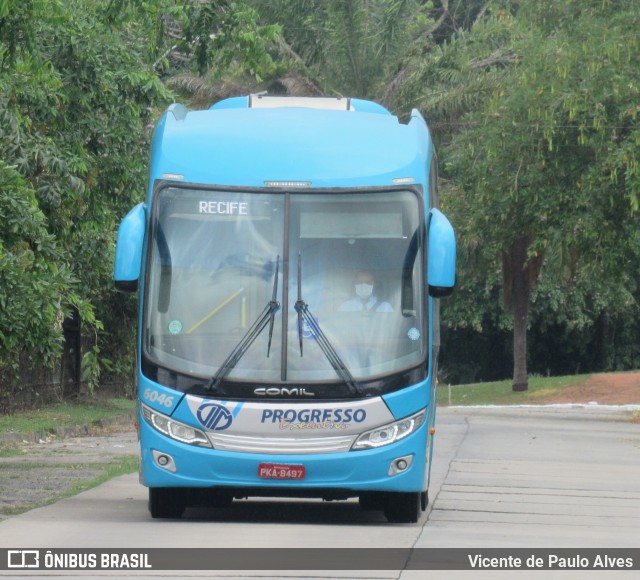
x: 364, y: 291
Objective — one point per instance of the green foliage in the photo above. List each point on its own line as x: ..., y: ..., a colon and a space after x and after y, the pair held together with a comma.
x: 346, y: 47
x: 79, y: 87
x: 36, y: 288
x: 548, y: 149
x: 456, y: 76
x: 74, y: 109
x: 223, y: 33
x: 211, y: 36
x: 552, y: 148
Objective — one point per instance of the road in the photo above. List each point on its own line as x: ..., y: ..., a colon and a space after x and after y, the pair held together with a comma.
x: 502, y: 478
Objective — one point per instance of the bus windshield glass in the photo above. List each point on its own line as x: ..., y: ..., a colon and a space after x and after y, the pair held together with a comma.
x: 355, y: 261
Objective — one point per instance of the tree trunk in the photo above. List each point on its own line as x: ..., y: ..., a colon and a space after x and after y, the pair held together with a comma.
x: 72, y: 356
x: 520, y: 292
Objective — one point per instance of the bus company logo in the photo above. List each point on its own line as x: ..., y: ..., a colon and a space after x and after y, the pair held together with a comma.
x: 214, y: 417
x: 319, y: 419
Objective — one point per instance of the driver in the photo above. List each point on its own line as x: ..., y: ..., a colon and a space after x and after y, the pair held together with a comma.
x: 365, y: 300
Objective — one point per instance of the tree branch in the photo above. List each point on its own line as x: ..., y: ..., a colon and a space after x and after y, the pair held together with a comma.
x: 398, y: 78
x: 494, y: 59
x: 482, y: 12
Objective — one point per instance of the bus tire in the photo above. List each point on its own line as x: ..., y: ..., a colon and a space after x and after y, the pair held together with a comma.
x: 166, y: 502
x: 424, y: 500
x: 403, y: 507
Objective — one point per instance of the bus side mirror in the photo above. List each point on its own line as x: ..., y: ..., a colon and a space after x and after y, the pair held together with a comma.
x: 441, y: 265
x: 129, y: 250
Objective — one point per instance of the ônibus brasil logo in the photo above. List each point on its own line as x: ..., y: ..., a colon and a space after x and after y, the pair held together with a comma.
x: 215, y: 417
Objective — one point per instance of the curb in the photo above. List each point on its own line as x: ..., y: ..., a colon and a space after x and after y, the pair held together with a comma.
x: 568, y: 411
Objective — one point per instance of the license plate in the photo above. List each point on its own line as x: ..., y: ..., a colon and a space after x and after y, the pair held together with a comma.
x: 281, y: 471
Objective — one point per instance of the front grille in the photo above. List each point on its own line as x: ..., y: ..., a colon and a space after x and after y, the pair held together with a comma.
x: 280, y: 445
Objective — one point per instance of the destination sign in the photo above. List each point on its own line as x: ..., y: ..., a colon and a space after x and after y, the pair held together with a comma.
x: 224, y: 207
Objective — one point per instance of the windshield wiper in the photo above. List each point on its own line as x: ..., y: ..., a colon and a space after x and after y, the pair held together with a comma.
x: 304, y: 314
x: 267, y: 316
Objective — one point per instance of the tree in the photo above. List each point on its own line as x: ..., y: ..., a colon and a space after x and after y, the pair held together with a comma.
x: 345, y: 47
x: 36, y: 288
x: 546, y: 159
x: 79, y: 101
x: 79, y: 88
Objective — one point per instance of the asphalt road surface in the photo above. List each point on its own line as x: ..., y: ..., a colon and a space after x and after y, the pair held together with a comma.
x: 515, y: 478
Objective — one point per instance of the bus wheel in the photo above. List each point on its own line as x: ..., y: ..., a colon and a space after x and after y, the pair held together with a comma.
x: 166, y: 502
x: 403, y: 507
x: 424, y: 500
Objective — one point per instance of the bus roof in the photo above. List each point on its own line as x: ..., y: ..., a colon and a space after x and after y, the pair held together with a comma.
x: 354, y: 144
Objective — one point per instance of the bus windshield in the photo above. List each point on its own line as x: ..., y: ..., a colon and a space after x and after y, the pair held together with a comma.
x: 274, y: 287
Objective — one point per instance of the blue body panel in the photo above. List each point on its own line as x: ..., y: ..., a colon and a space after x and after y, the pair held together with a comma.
x: 128, y: 262
x: 442, y: 255
x: 408, y: 401
x: 246, y: 147
x: 362, y: 470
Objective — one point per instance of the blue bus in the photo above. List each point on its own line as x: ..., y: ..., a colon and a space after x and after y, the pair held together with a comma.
x: 289, y: 258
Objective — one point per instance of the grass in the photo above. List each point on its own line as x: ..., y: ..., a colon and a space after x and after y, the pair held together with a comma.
x: 9, y: 451
x: 65, y: 415
x: 121, y: 466
x: 124, y: 465
x: 500, y: 393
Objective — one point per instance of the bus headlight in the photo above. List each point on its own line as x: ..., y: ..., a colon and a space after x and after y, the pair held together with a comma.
x: 390, y: 433
x: 174, y: 429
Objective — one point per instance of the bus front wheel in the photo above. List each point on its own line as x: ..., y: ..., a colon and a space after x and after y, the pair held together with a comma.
x: 166, y: 502
x: 403, y: 507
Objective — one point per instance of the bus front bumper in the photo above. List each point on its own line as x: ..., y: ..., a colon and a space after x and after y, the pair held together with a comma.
x: 398, y: 467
